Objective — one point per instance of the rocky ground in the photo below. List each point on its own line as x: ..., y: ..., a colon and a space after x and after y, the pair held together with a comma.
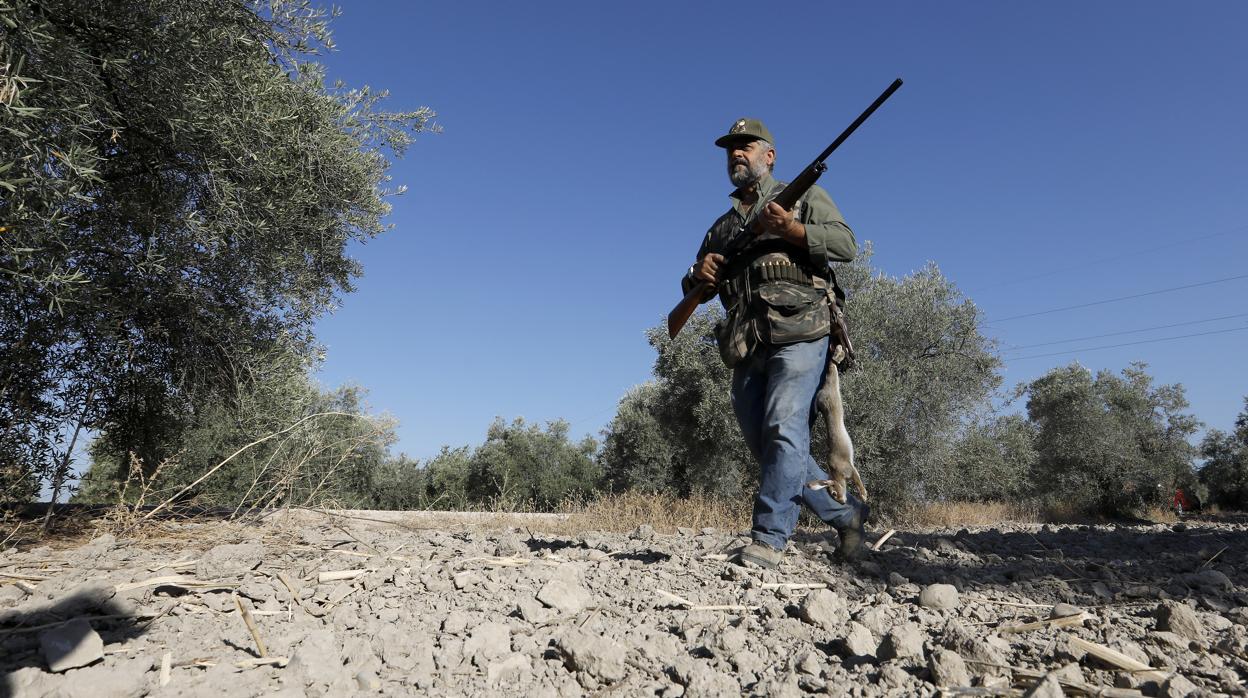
x: 349, y: 607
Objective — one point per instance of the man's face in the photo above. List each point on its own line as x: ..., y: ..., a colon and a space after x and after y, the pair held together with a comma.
x: 748, y: 161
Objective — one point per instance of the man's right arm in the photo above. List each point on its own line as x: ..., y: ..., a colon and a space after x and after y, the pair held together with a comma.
x: 691, y: 279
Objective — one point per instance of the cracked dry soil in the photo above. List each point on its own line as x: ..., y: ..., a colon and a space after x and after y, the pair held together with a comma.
x: 347, y: 607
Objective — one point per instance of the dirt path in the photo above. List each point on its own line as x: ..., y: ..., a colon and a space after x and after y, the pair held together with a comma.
x: 352, y: 607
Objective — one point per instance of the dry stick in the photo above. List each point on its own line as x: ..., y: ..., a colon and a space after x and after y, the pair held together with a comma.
x: 176, y: 581
x: 793, y: 585
x: 1120, y: 660
x: 231, y: 457
x: 281, y: 577
x: 31, y: 629
x: 166, y: 664
x: 1013, y: 603
x: 25, y: 577
x: 324, y: 577
x: 263, y: 661
x: 883, y: 539
x: 1210, y: 560
x: 251, y: 625
x: 1078, y: 577
x: 342, y: 528
x: 1076, y: 686
x: 12, y: 533
x: 1077, y: 619
x: 180, y: 562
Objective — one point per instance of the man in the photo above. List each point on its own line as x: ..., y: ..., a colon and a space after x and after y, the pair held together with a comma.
x: 775, y: 337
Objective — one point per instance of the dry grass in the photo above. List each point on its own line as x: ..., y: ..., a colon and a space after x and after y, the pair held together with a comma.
x: 1160, y: 514
x: 963, y: 514
x: 626, y: 511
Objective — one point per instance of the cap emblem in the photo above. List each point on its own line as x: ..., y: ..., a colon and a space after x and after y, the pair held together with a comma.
x: 738, y: 127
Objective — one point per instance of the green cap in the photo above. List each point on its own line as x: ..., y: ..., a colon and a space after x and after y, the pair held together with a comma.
x: 745, y: 129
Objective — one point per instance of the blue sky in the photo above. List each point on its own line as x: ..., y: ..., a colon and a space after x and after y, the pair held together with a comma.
x: 1043, y: 155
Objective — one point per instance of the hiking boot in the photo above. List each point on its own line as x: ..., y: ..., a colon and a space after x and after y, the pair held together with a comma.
x: 758, y: 553
x: 854, y: 536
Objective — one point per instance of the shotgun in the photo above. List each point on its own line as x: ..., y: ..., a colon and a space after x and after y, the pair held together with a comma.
x: 741, y: 241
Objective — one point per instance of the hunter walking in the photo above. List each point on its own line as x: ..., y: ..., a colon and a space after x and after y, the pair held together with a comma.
x: 775, y: 336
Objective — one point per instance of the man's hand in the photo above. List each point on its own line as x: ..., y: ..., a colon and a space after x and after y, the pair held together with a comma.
x: 707, y: 269
x: 777, y: 221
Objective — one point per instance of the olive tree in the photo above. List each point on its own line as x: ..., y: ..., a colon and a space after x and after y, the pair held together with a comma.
x: 1109, y: 442
x: 1224, y: 471
x: 925, y: 370
x: 178, y: 185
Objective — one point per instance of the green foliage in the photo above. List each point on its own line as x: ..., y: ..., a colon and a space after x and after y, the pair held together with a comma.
x: 1225, y: 468
x: 1108, y: 443
x: 990, y: 462
x: 282, y: 440
x: 521, y: 464
x: 177, y: 190
x: 519, y: 467
x: 924, y: 370
x: 678, y: 433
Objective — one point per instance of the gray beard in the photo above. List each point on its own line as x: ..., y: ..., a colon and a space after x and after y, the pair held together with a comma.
x: 742, y: 178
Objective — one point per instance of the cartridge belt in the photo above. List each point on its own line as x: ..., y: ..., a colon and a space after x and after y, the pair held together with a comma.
x: 776, y: 270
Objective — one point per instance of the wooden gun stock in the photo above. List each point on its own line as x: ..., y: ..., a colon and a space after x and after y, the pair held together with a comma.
x: 699, y: 294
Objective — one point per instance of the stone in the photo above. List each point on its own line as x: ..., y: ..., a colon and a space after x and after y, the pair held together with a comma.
x: 701, y: 681
x: 532, y: 610
x: 901, y: 642
x: 1178, y: 686
x: 565, y: 595
x: 316, y: 662
x: 367, y: 681
x: 71, y: 645
x: 1048, y: 687
x: 595, y: 655
x: 939, y: 596
x: 514, y: 668
x: 487, y: 641
x: 1064, y: 610
x: 808, y: 664
x: 231, y: 560
x: 824, y: 608
x: 642, y: 532
x: 1179, y: 619
x: 960, y: 639
x: 1209, y: 579
x: 455, y: 622
x: 859, y: 642
x: 947, y: 669
x: 731, y: 640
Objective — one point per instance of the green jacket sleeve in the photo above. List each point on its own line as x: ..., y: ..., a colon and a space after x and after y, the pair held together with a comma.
x: 687, y: 282
x: 828, y: 238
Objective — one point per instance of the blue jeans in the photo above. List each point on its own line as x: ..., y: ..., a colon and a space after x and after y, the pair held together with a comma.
x: 773, y: 395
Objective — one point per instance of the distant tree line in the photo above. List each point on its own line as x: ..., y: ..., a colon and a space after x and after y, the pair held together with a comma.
x: 920, y: 407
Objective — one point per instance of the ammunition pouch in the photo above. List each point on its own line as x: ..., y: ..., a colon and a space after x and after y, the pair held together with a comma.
x: 735, y: 335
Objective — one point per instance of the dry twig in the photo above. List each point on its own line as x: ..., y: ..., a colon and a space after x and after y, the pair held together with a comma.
x: 883, y: 539
x: 251, y: 626
x: 1118, y: 659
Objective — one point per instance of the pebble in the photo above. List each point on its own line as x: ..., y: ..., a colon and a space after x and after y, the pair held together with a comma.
x: 939, y: 596
x: 71, y: 645
x: 1179, y: 619
x: 947, y: 669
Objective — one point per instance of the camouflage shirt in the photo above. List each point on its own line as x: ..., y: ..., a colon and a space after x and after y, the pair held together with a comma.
x: 776, y: 293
